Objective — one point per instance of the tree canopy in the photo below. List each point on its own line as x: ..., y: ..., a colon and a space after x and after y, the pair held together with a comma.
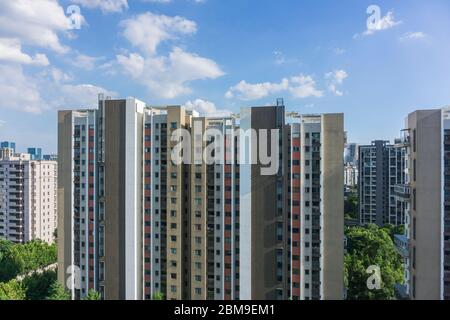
x: 371, y: 246
x: 12, y: 290
x: 23, y: 260
x: 93, y: 295
x: 18, y: 259
x: 58, y: 292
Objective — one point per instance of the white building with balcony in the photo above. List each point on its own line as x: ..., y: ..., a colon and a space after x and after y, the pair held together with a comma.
x: 27, y: 197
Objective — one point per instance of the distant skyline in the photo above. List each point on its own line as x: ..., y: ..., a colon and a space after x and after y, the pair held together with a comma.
x: 217, y: 56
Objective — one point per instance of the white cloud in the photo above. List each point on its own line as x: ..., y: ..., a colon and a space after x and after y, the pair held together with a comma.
x: 413, y: 35
x: 146, y: 31
x: 34, y: 22
x: 384, y: 23
x: 335, y: 79
x: 45, y: 91
x: 303, y: 87
x: 158, y: 1
x: 300, y: 87
x: 106, y: 6
x: 115, y: 6
x: 166, y: 76
x: 11, y: 51
x: 80, y: 96
x: 339, y: 51
x: 248, y: 91
x: 19, y: 92
x: 207, y: 108
x: 2, y: 123
x: 85, y: 62
x: 133, y: 64
x: 281, y: 59
x: 56, y: 75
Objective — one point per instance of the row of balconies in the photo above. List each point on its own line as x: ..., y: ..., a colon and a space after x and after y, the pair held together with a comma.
x: 402, y: 244
x: 403, y: 191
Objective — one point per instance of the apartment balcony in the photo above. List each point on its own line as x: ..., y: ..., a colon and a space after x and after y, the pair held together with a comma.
x: 402, y: 245
x: 16, y: 198
x: 402, y: 191
x: 447, y: 276
x: 404, y: 141
x: 15, y: 183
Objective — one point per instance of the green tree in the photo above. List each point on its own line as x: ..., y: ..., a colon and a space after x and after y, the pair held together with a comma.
x: 57, y: 292
x: 158, y: 296
x: 38, y: 285
x: 93, y: 295
x: 393, y: 230
x: 12, y: 290
x: 351, y: 205
x: 17, y: 259
x: 371, y: 246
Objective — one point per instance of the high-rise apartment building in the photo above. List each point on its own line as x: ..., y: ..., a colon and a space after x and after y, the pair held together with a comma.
x: 35, y: 153
x: 136, y: 222
x: 380, y: 169
x: 424, y: 198
x: 292, y: 222
x: 350, y: 175
x: 8, y: 144
x: 27, y: 197
x: 351, y: 153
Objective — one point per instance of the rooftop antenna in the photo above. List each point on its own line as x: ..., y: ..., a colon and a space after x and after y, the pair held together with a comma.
x: 280, y: 102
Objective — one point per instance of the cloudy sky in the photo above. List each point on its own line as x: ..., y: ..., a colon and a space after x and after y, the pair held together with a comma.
x: 219, y: 55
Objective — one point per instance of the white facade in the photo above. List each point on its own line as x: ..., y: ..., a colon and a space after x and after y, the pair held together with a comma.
x: 350, y: 175
x: 27, y: 198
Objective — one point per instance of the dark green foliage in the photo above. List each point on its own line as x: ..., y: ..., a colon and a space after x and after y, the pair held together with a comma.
x: 57, y: 292
x: 38, y: 286
x: 19, y: 259
x: 22, y: 260
x: 351, y: 205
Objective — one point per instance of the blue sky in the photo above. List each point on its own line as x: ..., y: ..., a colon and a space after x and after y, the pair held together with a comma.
x: 220, y: 55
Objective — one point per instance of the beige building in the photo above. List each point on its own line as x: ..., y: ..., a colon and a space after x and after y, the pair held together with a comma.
x: 292, y: 223
x: 426, y: 200
x: 27, y: 197
x: 135, y: 223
